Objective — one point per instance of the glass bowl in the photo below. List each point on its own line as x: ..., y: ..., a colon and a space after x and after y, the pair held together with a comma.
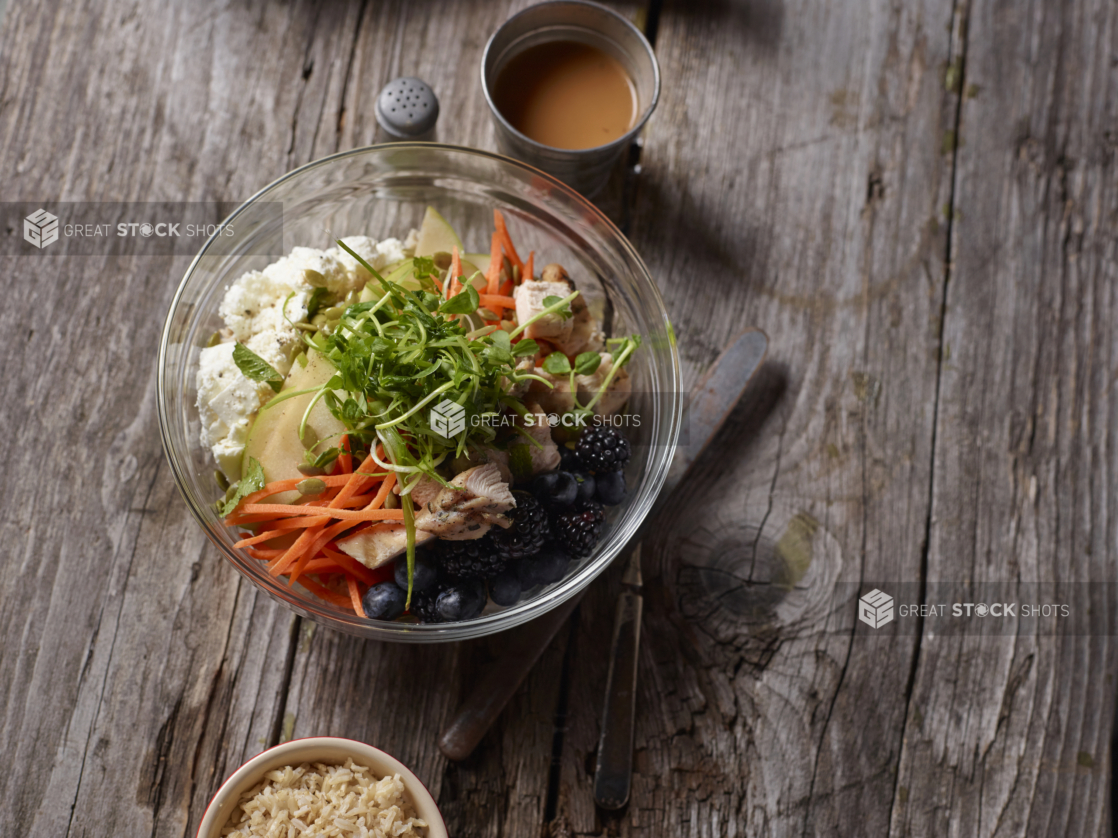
x: 381, y: 191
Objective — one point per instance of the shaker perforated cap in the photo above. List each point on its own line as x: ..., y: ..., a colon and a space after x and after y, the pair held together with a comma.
x: 407, y: 108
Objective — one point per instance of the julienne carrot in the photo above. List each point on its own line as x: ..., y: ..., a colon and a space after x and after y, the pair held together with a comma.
x: 313, y: 540
x: 354, y: 595
x: 283, y: 510
x: 495, y: 301
x: 455, y: 272
x: 362, y: 474
x: 529, y: 266
x: 345, y: 459
x: 496, y: 258
x: 351, y: 566
x: 322, y: 592
x: 278, y: 486
x: 506, y: 241
x: 264, y: 553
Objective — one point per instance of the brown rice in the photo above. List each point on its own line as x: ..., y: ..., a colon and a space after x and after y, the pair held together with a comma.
x: 325, y: 800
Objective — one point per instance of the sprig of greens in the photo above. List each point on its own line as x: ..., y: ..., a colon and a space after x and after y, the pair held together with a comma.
x: 251, y: 481
x: 404, y: 351
x: 253, y: 367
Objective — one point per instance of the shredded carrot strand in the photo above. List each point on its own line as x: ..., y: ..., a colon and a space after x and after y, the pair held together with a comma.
x: 357, y: 479
x: 345, y: 459
x: 322, y: 592
x: 528, y: 266
x: 496, y: 301
x: 455, y: 272
x: 355, y: 595
x: 268, y: 535
x: 333, y: 531
x: 506, y: 241
x: 294, y: 552
x: 493, y: 274
x: 283, y: 510
x: 264, y: 553
x: 350, y: 565
x: 300, y: 567
x: 277, y: 486
x: 382, y: 493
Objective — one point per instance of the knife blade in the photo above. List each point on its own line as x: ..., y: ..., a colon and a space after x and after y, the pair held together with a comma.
x: 711, y: 402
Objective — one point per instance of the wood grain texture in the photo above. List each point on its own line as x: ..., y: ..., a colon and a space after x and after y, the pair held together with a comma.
x: 804, y: 196
x: 1012, y: 735
x: 922, y: 419
x: 138, y: 670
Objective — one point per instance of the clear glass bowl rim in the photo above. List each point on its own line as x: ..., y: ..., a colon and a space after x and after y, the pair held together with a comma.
x: 489, y: 624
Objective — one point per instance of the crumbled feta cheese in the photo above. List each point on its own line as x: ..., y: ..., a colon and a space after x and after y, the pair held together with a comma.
x: 226, y: 402
x: 275, y: 348
x: 260, y: 309
x: 410, y: 241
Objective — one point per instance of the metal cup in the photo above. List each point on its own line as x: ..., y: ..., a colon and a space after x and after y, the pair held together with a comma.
x: 586, y: 170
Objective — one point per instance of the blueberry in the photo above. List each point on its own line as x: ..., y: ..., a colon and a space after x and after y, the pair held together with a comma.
x: 547, y: 566
x: 463, y: 601
x: 568, y: 459
x: 424, y: 576
x: 556, y: 488
x: 611, y: 487
x: 384, y: 601
x: 586, y: 485
x: 504, y: 588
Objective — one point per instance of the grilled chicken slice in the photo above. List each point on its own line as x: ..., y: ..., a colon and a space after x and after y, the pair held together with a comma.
x: 529, y: 296
x: 475, y: 500
x: 615, y: 396
x: 559, y: 399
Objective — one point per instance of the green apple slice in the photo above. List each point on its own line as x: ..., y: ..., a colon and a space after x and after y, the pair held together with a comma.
x: 274, y: 440
x: 436, y: 235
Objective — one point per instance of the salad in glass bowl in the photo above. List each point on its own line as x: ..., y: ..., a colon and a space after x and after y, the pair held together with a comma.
x: 411, y: 431
x: 274, y: 249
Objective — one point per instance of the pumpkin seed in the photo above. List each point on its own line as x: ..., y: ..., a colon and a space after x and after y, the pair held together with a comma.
x: 308, y: 470
x: 392, y: 501
x: 311, y: 486
x: 313, y: 277
x: 222, y: 480
x: 310, y: 437
x: 214, y: 340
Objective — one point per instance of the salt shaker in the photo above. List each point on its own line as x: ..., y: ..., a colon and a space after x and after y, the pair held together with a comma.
x: 407, y: 109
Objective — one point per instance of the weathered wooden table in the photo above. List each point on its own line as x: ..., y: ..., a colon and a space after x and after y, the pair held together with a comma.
x: 918, y: 202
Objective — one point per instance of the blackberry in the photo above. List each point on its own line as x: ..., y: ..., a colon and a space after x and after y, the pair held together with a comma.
x: 423, y: 606
x: 476, y: 558
x: 577, y: 532
x: 602, y: 448
x: 527, y: 534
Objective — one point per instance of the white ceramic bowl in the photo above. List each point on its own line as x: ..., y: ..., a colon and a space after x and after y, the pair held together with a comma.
x: 326, y: 749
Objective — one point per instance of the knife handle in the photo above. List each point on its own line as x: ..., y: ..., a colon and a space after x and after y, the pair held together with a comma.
x: 614, y: 771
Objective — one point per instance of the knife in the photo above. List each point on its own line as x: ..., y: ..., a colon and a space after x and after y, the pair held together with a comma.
x: 711, y: 402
